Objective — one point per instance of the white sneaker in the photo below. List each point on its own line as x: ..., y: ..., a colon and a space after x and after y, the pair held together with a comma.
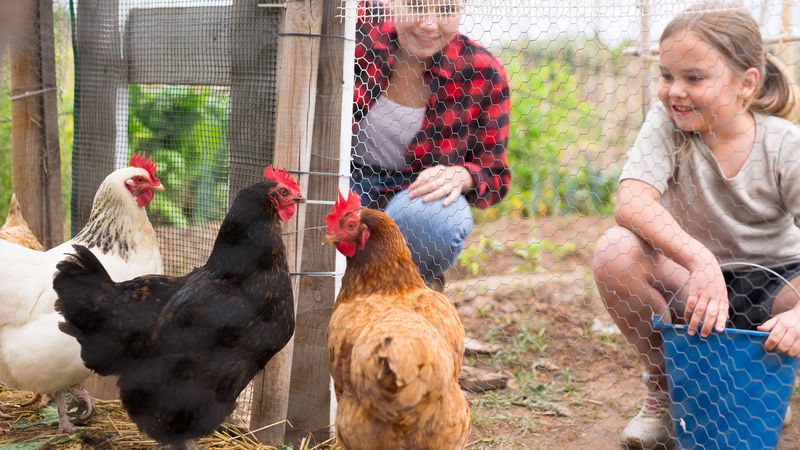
x: 652, y: 427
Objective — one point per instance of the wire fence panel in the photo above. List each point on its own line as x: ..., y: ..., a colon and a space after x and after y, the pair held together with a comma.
x: 548, y: 282
x: 192, y: 85
x: 573, y: 175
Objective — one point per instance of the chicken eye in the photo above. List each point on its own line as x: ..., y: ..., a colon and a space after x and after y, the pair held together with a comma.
x: 284, y: 191
x: 351, y: 226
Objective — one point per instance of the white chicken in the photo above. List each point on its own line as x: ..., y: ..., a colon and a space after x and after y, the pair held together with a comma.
x: 34, y: 354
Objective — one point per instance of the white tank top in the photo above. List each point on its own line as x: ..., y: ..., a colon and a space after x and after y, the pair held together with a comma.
x: 384, y: 134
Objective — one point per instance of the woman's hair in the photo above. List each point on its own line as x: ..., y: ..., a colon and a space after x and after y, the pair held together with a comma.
x: 733, y: 32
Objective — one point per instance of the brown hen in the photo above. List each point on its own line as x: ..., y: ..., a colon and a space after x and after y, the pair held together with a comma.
x: 16, y: 230
x: 395, y: 346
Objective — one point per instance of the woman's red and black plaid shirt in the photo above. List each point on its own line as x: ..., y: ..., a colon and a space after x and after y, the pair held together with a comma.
x: 467, y: 117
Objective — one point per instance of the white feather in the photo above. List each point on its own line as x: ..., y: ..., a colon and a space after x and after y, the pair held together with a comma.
x: 34, y: 354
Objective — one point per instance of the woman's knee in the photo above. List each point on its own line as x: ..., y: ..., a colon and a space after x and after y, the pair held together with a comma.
x: 435, y: 233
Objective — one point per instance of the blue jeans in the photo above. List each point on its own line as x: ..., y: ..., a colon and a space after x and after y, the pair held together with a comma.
x: 434, y: 233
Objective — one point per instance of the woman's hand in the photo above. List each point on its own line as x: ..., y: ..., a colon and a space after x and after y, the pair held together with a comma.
x: 784, y: 332
x: 440, y: 181
x: 708, y: 296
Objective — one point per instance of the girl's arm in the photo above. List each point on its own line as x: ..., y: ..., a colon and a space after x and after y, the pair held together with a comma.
x: 638, y: 209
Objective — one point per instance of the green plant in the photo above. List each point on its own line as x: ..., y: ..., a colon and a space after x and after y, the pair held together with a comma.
x: 549, y: 122
x: 473, y: 257
x: 185, y: 129
x: 523, y: 343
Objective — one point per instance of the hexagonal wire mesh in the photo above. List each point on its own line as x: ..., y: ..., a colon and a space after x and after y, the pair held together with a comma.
x: 546, y: 361
x: 568, y: 84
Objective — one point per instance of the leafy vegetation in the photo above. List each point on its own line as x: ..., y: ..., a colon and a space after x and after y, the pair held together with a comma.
x: 185, y: 130
x: 549, y: 124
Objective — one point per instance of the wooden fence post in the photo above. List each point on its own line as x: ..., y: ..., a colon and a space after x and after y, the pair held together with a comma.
x: 647, y: 77
x: 35, y: 150
x: 100, y: 74
x: 310, y: 397
x: 298, y: 53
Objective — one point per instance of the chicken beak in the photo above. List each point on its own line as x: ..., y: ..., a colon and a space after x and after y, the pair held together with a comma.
x: 299, y: 199
x: 329, y: 239
x: 158, y: 187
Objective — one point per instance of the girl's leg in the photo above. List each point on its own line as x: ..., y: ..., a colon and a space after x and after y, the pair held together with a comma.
x: 434, y: 233
x: 634, y: 281
x: 786, y: 298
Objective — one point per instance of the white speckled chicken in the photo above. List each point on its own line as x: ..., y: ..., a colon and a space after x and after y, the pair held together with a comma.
x: 34, y: 354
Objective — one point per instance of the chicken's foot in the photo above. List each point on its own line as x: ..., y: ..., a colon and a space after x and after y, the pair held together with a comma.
x: 42, y: 399
x: 83, y: 400
x: 64, y: 425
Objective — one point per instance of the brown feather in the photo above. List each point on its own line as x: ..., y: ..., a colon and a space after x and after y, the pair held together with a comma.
x: 396, y: 349
x: 16, y: 229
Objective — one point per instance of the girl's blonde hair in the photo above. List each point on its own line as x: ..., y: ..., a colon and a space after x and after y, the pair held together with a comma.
x: 733, y: 32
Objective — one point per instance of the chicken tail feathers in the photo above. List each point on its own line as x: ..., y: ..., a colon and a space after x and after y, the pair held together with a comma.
x: 80, y: 282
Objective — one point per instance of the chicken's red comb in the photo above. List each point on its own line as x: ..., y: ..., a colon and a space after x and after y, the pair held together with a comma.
x: 280, y: 176
x: 141, y: 161
x: 340, y: 207
x: 351, y: 203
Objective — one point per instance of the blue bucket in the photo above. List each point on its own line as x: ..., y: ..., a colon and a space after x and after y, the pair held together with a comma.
x: 727, y: 392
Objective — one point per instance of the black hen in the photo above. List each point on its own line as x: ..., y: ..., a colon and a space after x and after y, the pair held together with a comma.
x: 185, y: 347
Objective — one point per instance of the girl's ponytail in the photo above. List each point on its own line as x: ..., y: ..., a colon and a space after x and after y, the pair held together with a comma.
x: 778, y: 95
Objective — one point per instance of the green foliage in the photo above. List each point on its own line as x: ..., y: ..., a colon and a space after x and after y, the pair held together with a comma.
x: 185, y: 130
x: 5, y: 145
x: 549, y: 122
x: 474, y: 257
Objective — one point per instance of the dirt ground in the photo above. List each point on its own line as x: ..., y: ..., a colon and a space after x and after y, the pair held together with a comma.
x: 574, y: 382
x: 525, y: 286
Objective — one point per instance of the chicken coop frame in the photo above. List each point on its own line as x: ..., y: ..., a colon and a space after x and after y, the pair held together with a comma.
x: 301, y: 51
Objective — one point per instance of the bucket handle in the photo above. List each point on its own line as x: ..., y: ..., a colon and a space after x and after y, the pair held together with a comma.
x: 736, y: 264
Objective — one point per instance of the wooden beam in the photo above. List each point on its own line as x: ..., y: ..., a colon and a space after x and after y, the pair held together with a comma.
x: 785, y: 47
x: 298, y: 58
x: 101, y: 75
x: 100, y: 78
x: 644, y: 41
x: 179, y: 45
x: 310, y: 396
x: 36, y: 157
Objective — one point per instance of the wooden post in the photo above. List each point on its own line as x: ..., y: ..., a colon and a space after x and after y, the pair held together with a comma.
x: 36, y: 159
x: 645, y: 44
x: 309, y: 398
x: 786, y: 46
x: 100, y: 74
x: 296, y: 74
x: 100, y: 77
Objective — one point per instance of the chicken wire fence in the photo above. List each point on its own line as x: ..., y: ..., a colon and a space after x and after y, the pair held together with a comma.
x: 193, y: 84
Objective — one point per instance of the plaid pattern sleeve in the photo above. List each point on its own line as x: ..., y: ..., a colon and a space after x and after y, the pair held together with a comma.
x: 467, y: 118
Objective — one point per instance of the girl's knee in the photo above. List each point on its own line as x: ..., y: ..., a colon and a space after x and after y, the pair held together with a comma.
x: 618, y: 251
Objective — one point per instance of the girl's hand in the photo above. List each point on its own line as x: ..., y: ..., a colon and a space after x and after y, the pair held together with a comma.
x: 436, y: 182
x: 784, y: 332
x: 708, y: 297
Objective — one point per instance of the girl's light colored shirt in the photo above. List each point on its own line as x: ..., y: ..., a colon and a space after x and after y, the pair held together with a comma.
x: 384, y: 134
x: 751, y: 217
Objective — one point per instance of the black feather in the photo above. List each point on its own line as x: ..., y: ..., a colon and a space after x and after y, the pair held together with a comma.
x: 185, y: 347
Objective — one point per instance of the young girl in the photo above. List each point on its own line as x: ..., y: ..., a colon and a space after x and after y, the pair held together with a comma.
x: 713, y: 178
x: 430, y: 126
